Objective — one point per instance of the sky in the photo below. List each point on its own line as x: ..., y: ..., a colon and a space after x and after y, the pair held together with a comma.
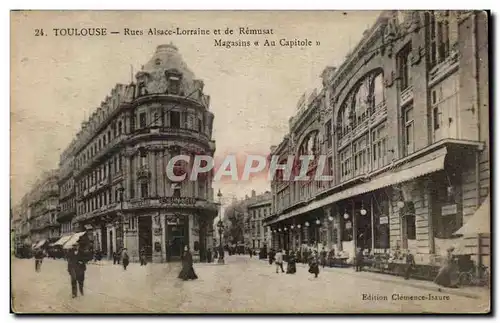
x: 57, y: 81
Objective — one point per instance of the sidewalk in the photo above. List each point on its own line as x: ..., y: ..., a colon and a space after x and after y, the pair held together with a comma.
x: 470, y: 292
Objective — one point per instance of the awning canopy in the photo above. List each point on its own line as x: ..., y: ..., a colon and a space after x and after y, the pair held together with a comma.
x: 62, y: 240
x: 479, y: 222
x: 432, y: 163
x: 40, y: 243
x: 73, y: 240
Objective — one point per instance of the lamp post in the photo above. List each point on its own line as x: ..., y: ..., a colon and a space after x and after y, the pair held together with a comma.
x: 220, y: 227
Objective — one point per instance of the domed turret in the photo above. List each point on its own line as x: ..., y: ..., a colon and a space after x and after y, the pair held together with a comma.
x: 165, y: 72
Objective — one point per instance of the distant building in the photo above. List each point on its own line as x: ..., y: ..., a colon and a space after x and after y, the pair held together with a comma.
x: 256, y: 208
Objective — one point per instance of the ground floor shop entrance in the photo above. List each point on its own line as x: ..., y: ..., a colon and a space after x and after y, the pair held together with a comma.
x: 145, y: 236
x: 176, y: 237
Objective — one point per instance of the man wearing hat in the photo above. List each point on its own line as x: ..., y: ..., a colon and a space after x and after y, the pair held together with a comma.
x: 76, y: 269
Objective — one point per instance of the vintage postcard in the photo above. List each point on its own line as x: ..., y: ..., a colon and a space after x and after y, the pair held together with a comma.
x: 250, y: 162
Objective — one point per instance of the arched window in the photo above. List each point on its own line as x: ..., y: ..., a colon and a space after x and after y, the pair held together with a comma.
x: 378, y: 90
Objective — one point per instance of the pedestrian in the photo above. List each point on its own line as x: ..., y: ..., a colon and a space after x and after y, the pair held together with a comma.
x: 209, y: 255
x: 278, y: 259
x: 39, y: 255
x: 115, y: 258
x: 447, y: 275
x: 215, y: 253
x: 187, y: 271
x: 76, y: 269
x: 359, y: 260
x: 291, y: 268
x: 125, y: 258
x: 250, y: 252
x: 142, y: 256
x: 323, y: 257
x: 313, y: 264
x: 271, y: 256
x: 410, y: 262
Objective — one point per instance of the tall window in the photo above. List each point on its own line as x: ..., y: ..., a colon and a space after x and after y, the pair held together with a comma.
x: 175, y: 119
x: 404, y: 67
x: 378, y: 90
x: 200, y: 125
x: 438, y: 35
x: 361, y: 100
x: 142, y: 120
x: 144, y: 158
x: 379, y: 147
x: 174, y: 84
x: 328, y: 133
x: 345, y: 164
x: 132, y: 123
x: 144, y: 190
x: 409, y: 130
x: 360, y: 151
x: 119, y: 128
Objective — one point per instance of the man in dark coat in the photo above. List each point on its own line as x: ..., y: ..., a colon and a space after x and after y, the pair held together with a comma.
x: 410, y: 262
x: 39, y: 255
x: 142, y: 256
x: 359, y: 260
x: 76, y: 269
x: 209, y: 255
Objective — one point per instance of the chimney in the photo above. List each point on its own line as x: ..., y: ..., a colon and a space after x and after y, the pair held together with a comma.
x: 253, y: 193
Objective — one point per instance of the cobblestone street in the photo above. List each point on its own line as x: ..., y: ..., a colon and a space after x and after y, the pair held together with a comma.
x: 242, y: 285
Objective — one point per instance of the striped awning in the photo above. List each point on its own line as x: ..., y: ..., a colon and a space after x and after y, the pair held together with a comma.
x: 39, y: 244
x: 62, y: 240
x: 73, y: 240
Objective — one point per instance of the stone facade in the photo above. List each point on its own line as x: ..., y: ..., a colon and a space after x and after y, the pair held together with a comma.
x: 123, y: 195
x: 404, y: 125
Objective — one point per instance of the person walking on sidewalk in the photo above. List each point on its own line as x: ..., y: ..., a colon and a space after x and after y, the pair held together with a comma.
x: 272, y: 254
x: 187, y: 271
x: 39, y: 255
x: 323, y: 257
x: 76, y: 269
x: 291, y: 268
x: 279, y: 261
x: 359, y: 260
x: 125, y: 258
x: 142, y: 256
x: 410, y: 262
x: 448, y: 274
x: 313, y: 264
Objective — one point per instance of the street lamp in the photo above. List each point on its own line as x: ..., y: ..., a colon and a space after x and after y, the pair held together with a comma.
x: 220, y: 227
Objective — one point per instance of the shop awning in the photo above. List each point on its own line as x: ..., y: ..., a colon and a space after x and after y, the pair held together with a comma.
x: 62, y: 240
x: 479, y: 222
x: 429, y: 164
x: 40, y: 243
x: 73, y: 240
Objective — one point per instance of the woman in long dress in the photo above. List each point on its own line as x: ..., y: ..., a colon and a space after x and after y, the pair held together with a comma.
x: 187, y: 271
x: 291, y: 268
x: 447, y: 275
x: 313, y: 264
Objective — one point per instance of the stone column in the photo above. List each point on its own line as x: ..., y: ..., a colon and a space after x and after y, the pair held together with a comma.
x: 163, y: 225
x: 127, y: 175
x: 152, y: 169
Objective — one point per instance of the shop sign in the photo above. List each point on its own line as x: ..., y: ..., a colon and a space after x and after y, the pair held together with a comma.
x: 449, y: 210
x: 178, y: 200
x: 384, y: 219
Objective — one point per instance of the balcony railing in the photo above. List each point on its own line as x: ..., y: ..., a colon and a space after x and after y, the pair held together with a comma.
x: 406, y: 95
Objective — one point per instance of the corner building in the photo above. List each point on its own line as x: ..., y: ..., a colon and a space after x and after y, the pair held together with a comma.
x: 404, y: 122
x: 124, y: 197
